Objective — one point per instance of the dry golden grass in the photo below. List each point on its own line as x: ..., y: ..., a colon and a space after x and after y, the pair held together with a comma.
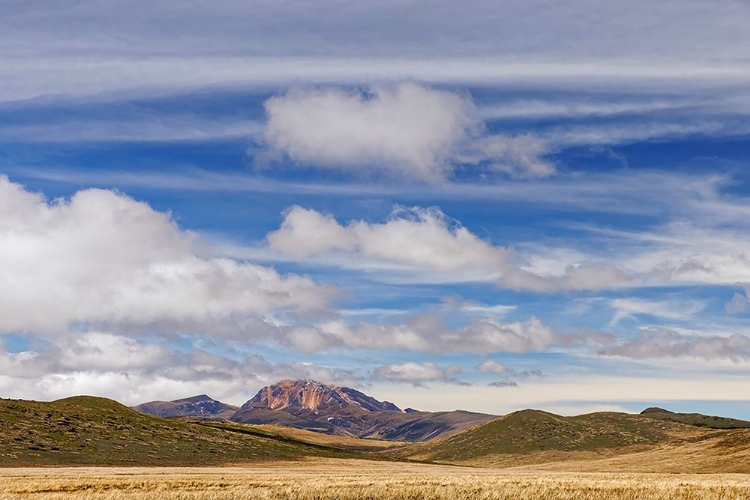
x: 357, y: 480
x: 349, y: 443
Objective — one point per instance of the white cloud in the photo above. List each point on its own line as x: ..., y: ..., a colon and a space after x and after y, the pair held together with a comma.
x: 103, y: 258
x: 432, y: 335
x: 670, y: 309
x: 491, y: 366
x: 128, y: 47
x: 144, y: 128
x: 425, y: 244
x: 404, y: 131
x: 131, y: 371
x: 657, y: 342
x: 570, y: 108
x: 414, y: 373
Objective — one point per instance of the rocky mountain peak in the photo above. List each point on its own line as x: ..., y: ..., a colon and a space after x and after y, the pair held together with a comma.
x: 314, y: 396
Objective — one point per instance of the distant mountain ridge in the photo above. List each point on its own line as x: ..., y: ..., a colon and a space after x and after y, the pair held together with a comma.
x: 195, y: 406
x: 310, y: 405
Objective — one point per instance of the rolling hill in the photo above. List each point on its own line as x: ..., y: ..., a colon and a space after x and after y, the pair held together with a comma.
x: 591, y: 442
x: 697, y: 419
x: 86, y: 430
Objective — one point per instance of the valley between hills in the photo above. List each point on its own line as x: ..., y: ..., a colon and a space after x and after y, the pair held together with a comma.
x: 295, y: 421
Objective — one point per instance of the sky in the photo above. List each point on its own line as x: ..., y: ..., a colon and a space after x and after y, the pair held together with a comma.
x: 487, y: 206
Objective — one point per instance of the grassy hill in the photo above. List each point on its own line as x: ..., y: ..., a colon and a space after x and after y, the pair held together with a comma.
x: 530, y: 436
x: 87, y: 430
x: 697, y: 419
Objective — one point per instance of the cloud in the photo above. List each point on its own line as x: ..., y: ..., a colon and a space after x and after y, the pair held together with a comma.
x: 630, y: 307
x: 146, y: 128
x: 491, y: 366
x: 128, y: 47
x: 102, y: 258
x: 657, y: 342
x: 431, y: 334
x: 471, y: 308
x: 415, y: 373
x: 404, y: 131
x: 132, y: 371
x: 739, y: 303
x: 425, y: 244
x: 503, y: 383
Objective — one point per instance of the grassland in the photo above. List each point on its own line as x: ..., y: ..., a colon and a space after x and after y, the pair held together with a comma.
x: 357, y: 480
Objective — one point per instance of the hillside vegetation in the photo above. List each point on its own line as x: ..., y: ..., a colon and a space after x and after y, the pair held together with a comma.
x: 697, y: 419
x: 629, y: 442
x: 87, y: 430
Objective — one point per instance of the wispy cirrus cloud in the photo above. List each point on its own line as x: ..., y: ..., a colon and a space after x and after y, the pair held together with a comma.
x: 69, y: 48
x: 415, y: 373
x: 659, y: 342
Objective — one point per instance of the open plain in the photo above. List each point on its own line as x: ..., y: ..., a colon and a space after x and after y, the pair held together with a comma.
x: 358, y: 480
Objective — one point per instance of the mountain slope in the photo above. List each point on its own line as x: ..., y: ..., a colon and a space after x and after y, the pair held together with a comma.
x: 310, y: 405
x: 86, y: 430
x: 196, y: 406
x: 697, y: 419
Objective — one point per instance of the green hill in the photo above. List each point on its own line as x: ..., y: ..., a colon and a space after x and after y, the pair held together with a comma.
x: 529, y: 432
x: 697, y: 419
x: 86, y: 430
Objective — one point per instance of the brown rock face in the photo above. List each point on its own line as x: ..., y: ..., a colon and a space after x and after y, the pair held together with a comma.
x: 309, y: 395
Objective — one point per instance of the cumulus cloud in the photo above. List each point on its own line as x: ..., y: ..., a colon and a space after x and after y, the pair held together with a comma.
x: 427, y: 244
x: 101, y: 257
x: 132, y: 371
x: 415, y: 373
x: 657, y: 342
x: 404, y: 131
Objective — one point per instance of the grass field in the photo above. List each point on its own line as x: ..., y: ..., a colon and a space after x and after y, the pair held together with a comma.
x: 357, y: 480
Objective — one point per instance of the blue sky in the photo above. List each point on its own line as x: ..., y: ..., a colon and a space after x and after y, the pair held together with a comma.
x: 525, y: 204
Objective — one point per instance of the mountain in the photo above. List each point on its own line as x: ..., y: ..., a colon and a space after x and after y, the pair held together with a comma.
x: 696, y: 419
x: 296, y: 395
x: 85, y: 430
x: 310, y: 405
x: 196, y: 406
